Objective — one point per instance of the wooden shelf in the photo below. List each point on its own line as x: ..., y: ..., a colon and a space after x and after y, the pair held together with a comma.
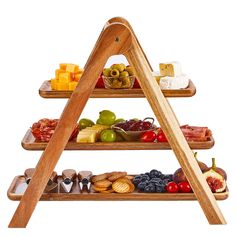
x: 46, y: 92
x: 30, y: 143
x: 77, y: 195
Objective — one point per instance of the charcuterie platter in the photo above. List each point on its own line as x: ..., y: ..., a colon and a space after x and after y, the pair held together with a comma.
x: 46, y: 91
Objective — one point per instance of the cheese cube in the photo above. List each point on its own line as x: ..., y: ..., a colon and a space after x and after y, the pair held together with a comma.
x: 172, y: 69
x: 77, y: 76
x: 72, y: 85
x: 57, y: 72
x: 86, y: 138
x: 54, y: 84
x: 179, y: 82
x: 63, y: 66
x: 64, y: 77
x: 62, y: 86
x: 72, y: 68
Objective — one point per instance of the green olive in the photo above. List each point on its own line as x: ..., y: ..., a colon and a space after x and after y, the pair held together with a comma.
x: 124, y: 74
x: 115, y: 73
x: 120, y: 67
x: 106, y: 72
x: 126, y: 83
x: 116, y: 83
x: 130, y: 70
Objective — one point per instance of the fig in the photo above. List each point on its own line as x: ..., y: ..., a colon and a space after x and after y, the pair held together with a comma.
x: 217, y: 169
x: 215, y: 180
x: 179, y: 175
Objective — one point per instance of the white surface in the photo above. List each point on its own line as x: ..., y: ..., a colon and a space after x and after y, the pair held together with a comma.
x: 37, y: 36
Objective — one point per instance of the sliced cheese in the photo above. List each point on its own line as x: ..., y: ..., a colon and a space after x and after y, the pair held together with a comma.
x: 172, y: 69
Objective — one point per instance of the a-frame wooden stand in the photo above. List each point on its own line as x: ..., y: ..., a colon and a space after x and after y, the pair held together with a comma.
x: 117, y: 37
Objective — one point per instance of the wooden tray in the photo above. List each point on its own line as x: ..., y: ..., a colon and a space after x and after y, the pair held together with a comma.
x: 46, y: 92
x: 78, y: 195
x: 30, y: 143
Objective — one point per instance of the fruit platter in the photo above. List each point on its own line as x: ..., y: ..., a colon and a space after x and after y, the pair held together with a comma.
x: 111, y: 133
x: 119, y: 185
x: 112, y: 82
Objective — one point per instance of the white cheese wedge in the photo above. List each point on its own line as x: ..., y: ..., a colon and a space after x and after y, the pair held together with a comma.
x: 172, y: 69
x: 179, y: 82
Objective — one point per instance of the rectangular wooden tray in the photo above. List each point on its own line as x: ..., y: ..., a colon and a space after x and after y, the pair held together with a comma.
x: 30, y: 143
x: 78, y: 195
x: 45, y: 91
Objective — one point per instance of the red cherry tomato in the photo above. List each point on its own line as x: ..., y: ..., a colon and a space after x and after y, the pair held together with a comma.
x: 172, y: 187
x: 161, y: 137
x: 136, y: 84
x: 100, y: 83
x: 184, y: 187
x: 149, y: 136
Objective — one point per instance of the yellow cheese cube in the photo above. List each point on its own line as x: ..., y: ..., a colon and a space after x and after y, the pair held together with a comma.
x: 54, y: 84
x: 72, y: 68
x: 64, y: 77
x: 86, y: 138
x: 72, y: 85
x: 63, y: 66
x: 62, y: 86
x: 57, y: 72
x: 158, y: 78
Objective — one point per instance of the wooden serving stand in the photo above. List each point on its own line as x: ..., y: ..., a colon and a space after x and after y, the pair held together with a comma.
x: 117, y: 37
x: 89, y: 195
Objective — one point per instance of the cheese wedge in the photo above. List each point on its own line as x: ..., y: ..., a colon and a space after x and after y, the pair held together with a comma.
x: 179, y: 82
x: 172, y: 69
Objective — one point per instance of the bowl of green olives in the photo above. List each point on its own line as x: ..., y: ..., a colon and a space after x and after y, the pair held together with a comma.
x: 118, y: 76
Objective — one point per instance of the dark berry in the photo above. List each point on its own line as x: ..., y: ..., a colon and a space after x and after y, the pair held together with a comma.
x: 169, y: 176
x: 166, y: 181
x: 142, y: 185
x: 156, y: 180
x: 145, y: 177
x: 155, y: 173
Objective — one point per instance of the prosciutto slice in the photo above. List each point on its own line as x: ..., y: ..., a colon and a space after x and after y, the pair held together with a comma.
x: 195, y: 133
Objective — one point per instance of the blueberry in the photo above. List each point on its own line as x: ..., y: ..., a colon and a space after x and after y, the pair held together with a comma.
x: 169, y: 176
x: 137, y: 180
x: 155, y: 180
x: 165, y: 181
x: 160, y: 188
x: 147, y: 189
x: 142, y: 185
x: 147, y: 173
x: 155, y: 173
x: 150, y: 188
x: 145, y: 177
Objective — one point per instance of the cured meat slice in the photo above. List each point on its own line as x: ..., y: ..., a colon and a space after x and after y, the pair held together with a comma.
x: 44, y: 129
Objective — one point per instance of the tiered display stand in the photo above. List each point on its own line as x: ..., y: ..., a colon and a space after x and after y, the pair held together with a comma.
x: 117, y: 37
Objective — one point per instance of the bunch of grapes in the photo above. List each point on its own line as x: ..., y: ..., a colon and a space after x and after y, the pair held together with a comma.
x: 135, y: 125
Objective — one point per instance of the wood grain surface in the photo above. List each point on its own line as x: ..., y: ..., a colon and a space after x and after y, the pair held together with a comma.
x: 77, y: 195
x: 30, y: 143
x: 45, y: 91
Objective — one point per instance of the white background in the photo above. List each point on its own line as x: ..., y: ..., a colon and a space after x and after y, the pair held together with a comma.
x: 38, y: 35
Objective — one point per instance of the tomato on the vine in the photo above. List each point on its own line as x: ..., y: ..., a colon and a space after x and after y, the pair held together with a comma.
x: 172, y: 187
x: 184, y: 187
x: 149, y: 136
x: 161, y: 137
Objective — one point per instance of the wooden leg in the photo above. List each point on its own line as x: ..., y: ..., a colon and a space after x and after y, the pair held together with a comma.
x: 178, y: 143
x: 104, y: 48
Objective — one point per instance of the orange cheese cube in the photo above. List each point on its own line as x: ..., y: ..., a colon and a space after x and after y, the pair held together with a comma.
x: 63, y: 66
x: 54, y: 84
x: 57, y: 72
x: 72, y: 68
x: 72, y: 85
x: 64, y: 77
x: 77, y: 77
x: 62, y: 86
